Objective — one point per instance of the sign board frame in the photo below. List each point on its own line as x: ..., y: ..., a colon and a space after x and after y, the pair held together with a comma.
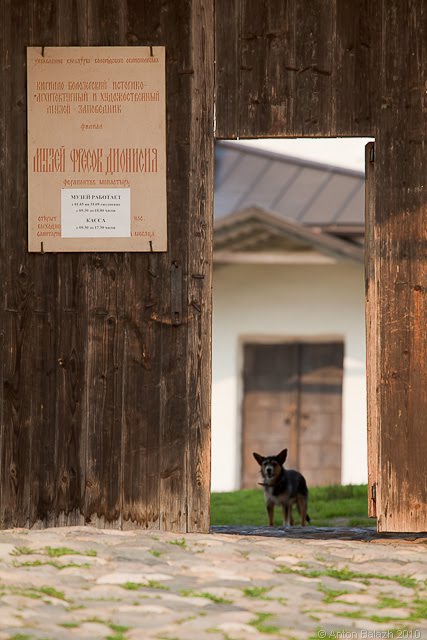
x: 96, y: 149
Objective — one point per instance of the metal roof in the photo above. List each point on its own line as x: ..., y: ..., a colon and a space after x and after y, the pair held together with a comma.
x: 312, y: 194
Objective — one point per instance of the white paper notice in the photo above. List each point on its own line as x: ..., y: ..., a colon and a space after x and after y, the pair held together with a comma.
x: 95, y: 213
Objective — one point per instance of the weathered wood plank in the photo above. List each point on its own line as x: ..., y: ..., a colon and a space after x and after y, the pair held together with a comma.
x: 141, y: 399
x: 200, y: 268
x: 173, y: 319
x: 43, y: 276
x: 372, y: 279
x: 357, y: 66
x: 401, y: 213
x: 267, y: 69
x: 18, y: 376
x: 227, y: 73
x: 71, y: 348
x: 148, y: 283
x: 104, y: 389
x: 3, y: 62
x: 106, y: 23
x: 314, y: 45
x: 106, y: 286
x: 292, y: 68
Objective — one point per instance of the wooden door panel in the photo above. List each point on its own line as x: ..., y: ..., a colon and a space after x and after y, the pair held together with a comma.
x: 292, y: 398
x: 269, y: 404
x: 321, y: 370
x: 323, y: 427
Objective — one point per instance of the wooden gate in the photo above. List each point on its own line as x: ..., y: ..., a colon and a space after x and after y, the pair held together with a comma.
x: 105, y: 358
x: 354, y: 68
x: 292, y: 397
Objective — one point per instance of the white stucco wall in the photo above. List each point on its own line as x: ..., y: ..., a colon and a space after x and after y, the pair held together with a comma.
x: 286, y: 301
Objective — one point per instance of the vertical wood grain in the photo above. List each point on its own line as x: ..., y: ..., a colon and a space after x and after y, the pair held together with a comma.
x: 199, y: 296
x: 146, y: 300
x: 228, y: 46
x: 106, y: 285
x: 43, y: 21
x: 4, y: 60
x: 266, y: 74
x: 173, y: 426
x: 71, y: 350
x: 314, y: 60
x: 19, y: 349
x: 401, y: 213
x: 292, y: 68
x: 372, y: 282
x: 357, y: 66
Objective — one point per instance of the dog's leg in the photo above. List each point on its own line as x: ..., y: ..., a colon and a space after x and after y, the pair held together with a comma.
x: 291, y: 519
x: 302, y: 508
x: 270, y: 511
x: 286, y: 515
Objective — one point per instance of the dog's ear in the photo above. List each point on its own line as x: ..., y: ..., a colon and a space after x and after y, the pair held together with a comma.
x: 260, y: 459
x: 282, y: 456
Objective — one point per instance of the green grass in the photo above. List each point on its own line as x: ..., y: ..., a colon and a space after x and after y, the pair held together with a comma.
x: 52, y: 563
x: 330, y: 595
x: 52, y: 552
x: 335, y: 505
x: 36, y: 593
x: 258, y: 593
x: 53, y: 593
x: 260, y: 623
x: 57, y: 552
x: 180, y: 542
x: 347, y: 574
x: 204, y: 594
x: 22, y: 551
x: 151, y: 584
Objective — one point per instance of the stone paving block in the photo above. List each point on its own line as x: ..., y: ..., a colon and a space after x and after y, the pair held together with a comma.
x: 343, y: 585
x: 93, y: 630
x: 120, y: 577
x: 238, y: 631
x: 358, y: 599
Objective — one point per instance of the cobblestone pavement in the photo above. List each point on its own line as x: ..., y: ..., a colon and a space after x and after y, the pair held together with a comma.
x: 84, y: 583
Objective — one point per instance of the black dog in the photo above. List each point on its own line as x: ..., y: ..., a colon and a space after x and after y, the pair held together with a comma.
x: 284, y: 488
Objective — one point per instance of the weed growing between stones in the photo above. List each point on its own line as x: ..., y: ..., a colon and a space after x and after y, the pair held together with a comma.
x: 204, y: 594
x: 256, y: 592
x: 56, y: 552
x: 151, y: 584
x: 347, y: 574
x: 51, y: 563
x: 52, y: 552
x: 260, y: 623
x: 330, y: 595
x: 386, y: 602
x: 179, y: 542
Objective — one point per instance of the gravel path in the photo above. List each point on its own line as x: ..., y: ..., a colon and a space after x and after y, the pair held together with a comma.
x: 64, y: 584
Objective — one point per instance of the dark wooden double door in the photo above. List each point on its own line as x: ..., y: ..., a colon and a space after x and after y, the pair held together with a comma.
x: 292, y: 397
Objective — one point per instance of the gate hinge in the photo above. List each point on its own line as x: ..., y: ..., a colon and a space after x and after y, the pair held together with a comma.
x: 372, y: 154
